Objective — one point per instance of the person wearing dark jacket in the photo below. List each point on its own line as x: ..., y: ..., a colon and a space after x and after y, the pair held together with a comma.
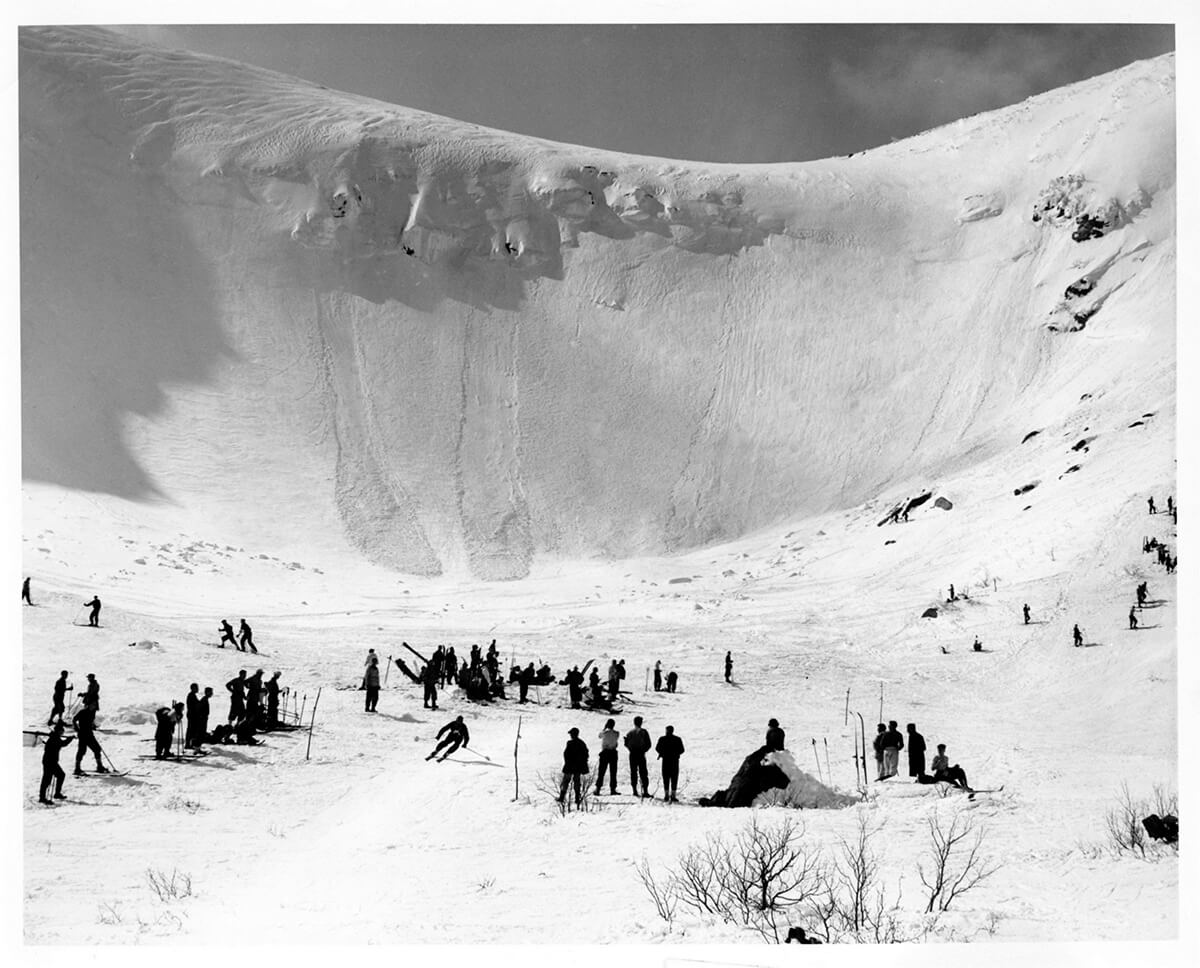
x: 1025, y: 612
x: 51, y: 771
x: 429, y: 677
x: 226, y: 631
x: 94, y: 616
x: 575, y: 767
x: 609, y: 737
x: 574, y: 682
x: 84, y: 722
x: 916, y: 751
x: 526, y: 678
x: 167, y: 717
x: 237, y: 697
x: 192, y: 701
x: 246, y: 637
x: 203, y: 708
x: 457, y: 735
x: 669, y: 749
x: 25, y: 592
x: 728, y: 666
x: 273, y: 700
x: 672, y: 680
x: 658, y: 683
x: 371, y: 681
x: 594, y: 686
x: 60, y: 698
x: 877, y: 743
x: 638, y: 742
x: 254, y: 691
x: 91, y: 695
x: 892, y: 743
x: 775, y: 735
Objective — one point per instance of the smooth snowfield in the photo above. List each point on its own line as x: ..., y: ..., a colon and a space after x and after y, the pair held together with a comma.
x: 334, y: 366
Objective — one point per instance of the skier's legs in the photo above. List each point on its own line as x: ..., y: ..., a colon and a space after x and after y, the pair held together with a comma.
x: 47, y: 776
x: 59, y: 777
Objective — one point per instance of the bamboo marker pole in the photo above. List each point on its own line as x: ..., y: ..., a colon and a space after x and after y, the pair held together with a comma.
x: 311, y: 723
x: 516, y: 770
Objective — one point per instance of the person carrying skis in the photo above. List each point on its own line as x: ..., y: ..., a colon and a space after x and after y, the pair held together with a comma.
x: 575, y: 767
x: 237, y: 697
x: 168, y: 717
x: 226, y: 631
x: 51, y: 771
x: 728, y: 666
x: 246, y: 637
x: 84, y: 722
x: 94, y: 617
x: 25, y: 592
x: 60, y: 698
x: 670, y: 748
x: 371, y: 683
x: 892, y: 743
x: 1077, y: 636
x: 429, y: 677
x: 916, y: 751
x: 638, y: 742
x: 775, y: 736
x: 457, y: 735
x: 609, y: 737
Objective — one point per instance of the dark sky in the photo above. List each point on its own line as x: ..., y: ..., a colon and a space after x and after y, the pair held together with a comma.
x: 726, y: 92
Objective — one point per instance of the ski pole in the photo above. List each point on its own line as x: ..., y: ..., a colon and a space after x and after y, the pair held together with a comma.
x: 311, y: 723
x: 828, y: 768
x: 846, y: 717
x: 516, y: 771
x: 818, y: 759
x: 387, y: 670
x: 476, y: 752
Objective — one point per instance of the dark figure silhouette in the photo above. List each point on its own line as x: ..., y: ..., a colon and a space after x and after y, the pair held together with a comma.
x: 91, y: 695
x: 371, y: 682
x: 609, y: 737
x: 1170, y: 508
x: 167, y: 717
x: 953, y: 597
x: 246, y: 637
x: 977, y: 646
x: 237, y: 697
x: 273, y: 701
x: 526, y: 678
x: 25, y: 592
x: 254, y: 691
x: 658, y: 677
x: 226, y: 631
x: 916, y: 751
x: 429, y: 677
x: 638, y: 742
x: 1150, y: 502
x: 669, y: 749
x: 877, y: 744
x: 51, y: 771
x: 797, y: 936
x: 728, y: 666
x: 456, y: 735
x: 594, y: 687
x: 575, y: 767
x: 85, y: 731
x: 1133, y: 622
x: 1077, y: 636
x: 94, y: 617
x: 1025, y: 610
x: 192, y: 704
x: 60, y: 698
x: 203, y: 708
x: 672, y: 681
x: 574, y: 681
x: 775, y: 735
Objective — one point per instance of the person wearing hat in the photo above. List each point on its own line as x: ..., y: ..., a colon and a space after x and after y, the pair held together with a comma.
x: 91, y: 695
x: 84, y: 722
x: 775, y: 736
x: 575, y: 767
x: 669, y: 749
x: 609, y: 738
x: 637, y: 741
x: 50, y: 768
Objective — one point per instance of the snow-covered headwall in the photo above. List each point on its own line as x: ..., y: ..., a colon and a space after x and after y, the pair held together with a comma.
x: 283, y: 307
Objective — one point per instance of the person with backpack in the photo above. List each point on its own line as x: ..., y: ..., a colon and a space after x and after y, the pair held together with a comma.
x: 575, y: 767
x: 669, y: 749
x: 638, y: 742
x: 609, y: 737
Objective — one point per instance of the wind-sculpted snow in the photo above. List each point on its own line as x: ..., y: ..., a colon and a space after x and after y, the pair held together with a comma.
x: 465, y: 348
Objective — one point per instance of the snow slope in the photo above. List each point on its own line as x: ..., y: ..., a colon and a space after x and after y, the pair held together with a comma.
x: 244, y: 395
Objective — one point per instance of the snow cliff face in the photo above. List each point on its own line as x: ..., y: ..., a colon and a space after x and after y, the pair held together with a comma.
x: 458, y: 349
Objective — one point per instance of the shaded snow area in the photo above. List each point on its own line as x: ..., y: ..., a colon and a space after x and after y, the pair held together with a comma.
x: 363, y: 376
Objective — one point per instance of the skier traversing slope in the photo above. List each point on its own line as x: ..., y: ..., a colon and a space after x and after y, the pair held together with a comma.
x: 457, y: 735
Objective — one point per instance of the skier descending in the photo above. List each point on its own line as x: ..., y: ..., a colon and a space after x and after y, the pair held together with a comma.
x: 457, y: 735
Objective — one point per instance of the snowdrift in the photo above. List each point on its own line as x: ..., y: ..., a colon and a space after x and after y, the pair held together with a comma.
x: 453, y: 349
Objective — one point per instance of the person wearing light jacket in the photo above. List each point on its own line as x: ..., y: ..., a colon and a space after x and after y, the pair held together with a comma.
x: 609, y: 738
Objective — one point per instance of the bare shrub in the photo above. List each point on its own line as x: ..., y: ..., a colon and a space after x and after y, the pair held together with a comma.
x: 666, y: 901
x: 956, y: 862
x: 169, y: 887
x: 110, y: 913
x: 1123, y: 821
x: 549, y: 782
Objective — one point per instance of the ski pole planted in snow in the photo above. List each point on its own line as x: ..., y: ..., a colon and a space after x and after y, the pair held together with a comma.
x: 387, y: 670
x: 311, y: 722
x: 516, y: 770
x: 818, y: 759
x: 828, y: 769
x: 846, y: 718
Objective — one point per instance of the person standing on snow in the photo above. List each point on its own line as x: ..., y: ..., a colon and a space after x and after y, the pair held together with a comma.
x: 429, y: 677
x: 371, y: 682
x: 1133, y: 622
x: 670, y: 748
x: 51, y: 771
x: 203, y: 708
x: 246, y: 637
x: 609, y: 738
x: 168, y: 717
x: 672, y: 680
x: 728, y: 666
x: 892, y: 744
x: 254, y: 690
x: 614, y: 681
x: 877, y: 743
x: 237, y: 697
x: 1025, y: 610
x: 226, y: 631
x: 638, y: 742
x: 775, y: 736
x: 916, y: 751
x: 91, y: 695
x: 94, y: 617
x: 594, y: 686
x: 25, y: 592
x: 658, y: 677
x: 192, y: 701
x: 273, y: 701
x: 1150, y: 501
x: 1077, y: 636
x: 60, y: 698
x: 575, y: 767
x: 457, y: 735
x: 526, y: 678
x: 84, y: 722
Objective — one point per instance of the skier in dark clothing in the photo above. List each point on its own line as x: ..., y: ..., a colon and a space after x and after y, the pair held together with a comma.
x: 91, y: 695
x: 1150, y: 502
x: 254, y: 691
x: 450, y: 665
x: 1025, y: 610
x: 575, y: 767
x: 167, y: 717
x: 1133, y: 622
x: 916, y: 751
x: 609, y: 737
x: 429, y: 677
x: 273, y: 701
x: 60, y: 698
x: 672, y: 680
x: 192, y: 701
x: 226, y: 631
x: 892, y: 743
x: 775, y: 735
x: 594, y: 687
x: 638, y: 742
x: 25, y: 592
x: 669, y: 749
x: 51, y: 771
x: 457, y: 735
x: 237, y: 697
x: 203, y: 707
x: 1077, y: 636
x: 94, y: 617
x: 728, y: 666
x: 614, y: 681
x: 84, y: 722
x: 526, y: 678
x: 658, y: 683
x: 371, y: 683
x: 246, y: 637
x: 574, y: 681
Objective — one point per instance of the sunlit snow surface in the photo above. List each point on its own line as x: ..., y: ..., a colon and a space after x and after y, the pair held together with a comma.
x: 333, y: 366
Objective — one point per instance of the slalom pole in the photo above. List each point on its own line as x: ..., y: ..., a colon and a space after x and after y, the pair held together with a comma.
x: 828, y: 768
x: 881, y: 701
x: 311, y: 723
x: 818, y: 759
x: 303, y: 703
x: 647, y: 689
x: 387, y: 670
x: 846, y: 717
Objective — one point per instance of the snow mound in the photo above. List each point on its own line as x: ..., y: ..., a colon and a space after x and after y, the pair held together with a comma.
x: 133, y: 715
x: 146, y: 645
x: 804, y: 792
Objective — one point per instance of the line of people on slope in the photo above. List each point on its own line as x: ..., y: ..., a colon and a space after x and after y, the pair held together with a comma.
x: 84, y: 721
x: 244, y: 641
x: 669, y: 749
x: 888, y: 744
x: 248, y: 713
